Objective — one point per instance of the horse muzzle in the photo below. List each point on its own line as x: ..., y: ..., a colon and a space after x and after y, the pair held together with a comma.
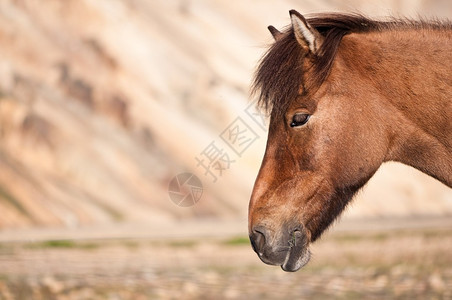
x: 288, y: 248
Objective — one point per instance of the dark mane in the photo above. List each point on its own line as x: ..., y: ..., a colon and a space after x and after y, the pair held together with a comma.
x: 279, y: 75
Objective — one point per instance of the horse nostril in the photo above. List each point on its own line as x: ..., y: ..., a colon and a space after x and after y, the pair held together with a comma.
x: 257, y: 239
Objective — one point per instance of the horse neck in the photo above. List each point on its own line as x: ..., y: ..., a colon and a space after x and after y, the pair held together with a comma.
x: 410, y: 69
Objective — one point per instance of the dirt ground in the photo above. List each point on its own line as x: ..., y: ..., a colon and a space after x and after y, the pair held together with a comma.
x: 410, y: 263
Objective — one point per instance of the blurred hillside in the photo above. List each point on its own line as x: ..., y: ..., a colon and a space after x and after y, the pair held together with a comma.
x: 103, y: 102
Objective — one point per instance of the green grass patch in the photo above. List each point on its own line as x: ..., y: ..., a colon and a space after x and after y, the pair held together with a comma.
x: 183, y: 244
x: 62, y: 244
x: 88, y: 246
x: 6, y: 249
x: 393, y: 234
x: 56, y: 244
x: 437, y: 233
x: 130, y: 244
x: 237, y: 241
x: 356, y: 237
x: 3, y: 278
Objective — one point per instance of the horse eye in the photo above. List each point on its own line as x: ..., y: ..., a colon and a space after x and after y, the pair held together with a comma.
x: 299, y: 119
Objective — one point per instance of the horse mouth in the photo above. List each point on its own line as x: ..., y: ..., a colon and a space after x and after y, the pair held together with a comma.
x: 295, y: 260
x: 290, y: 251
x: 298, y: 254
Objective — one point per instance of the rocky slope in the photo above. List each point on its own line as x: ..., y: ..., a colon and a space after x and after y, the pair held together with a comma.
x: 103, y: 102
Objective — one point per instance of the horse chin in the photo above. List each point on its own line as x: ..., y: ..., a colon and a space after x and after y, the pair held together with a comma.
x: 295, y: 260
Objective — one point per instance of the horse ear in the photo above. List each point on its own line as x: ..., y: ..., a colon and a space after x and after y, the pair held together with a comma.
x: 307, y: 36
x: 277, y: 35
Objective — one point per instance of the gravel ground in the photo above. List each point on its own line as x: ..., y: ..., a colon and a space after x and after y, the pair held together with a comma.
x: 405, y: 264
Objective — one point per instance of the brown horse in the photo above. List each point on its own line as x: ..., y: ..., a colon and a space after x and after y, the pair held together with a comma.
x: 345, y: 93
